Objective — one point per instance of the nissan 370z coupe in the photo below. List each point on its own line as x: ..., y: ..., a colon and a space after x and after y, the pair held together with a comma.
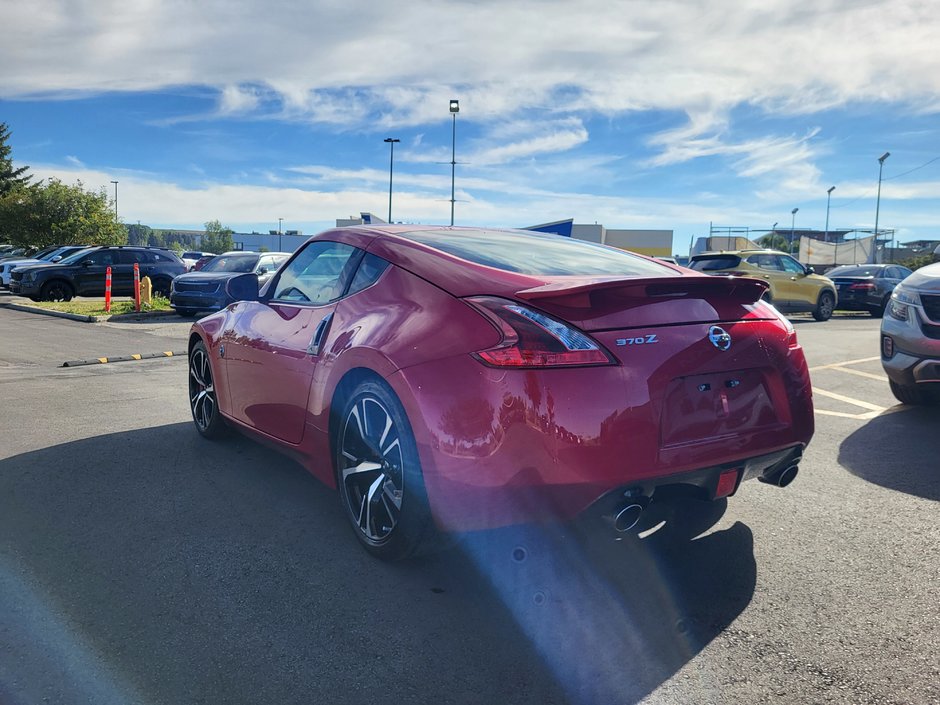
x: 449, y: 379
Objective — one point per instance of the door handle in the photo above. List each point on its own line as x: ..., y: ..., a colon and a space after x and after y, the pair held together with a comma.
x: 320, y: 335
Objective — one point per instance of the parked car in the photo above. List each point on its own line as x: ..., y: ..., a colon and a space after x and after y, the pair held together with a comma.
x: 910, y: 338
x: 192, y: 256
x: 83, y: 273
x: 202, y: 262
x: 447, y: 379
x: 866, y: 287
x: 793, y: 287
x: 205, y: 290
x: 53, y: 255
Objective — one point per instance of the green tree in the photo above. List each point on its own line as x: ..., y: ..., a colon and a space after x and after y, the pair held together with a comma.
x: 778, y: 242
x: 217, y: 238
x: 139, y: 234
x: 53, y: 213
x: 11, y: 178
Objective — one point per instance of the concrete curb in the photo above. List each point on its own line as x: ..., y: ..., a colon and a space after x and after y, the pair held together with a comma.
x: 123, y: 358
x: 134, y: 316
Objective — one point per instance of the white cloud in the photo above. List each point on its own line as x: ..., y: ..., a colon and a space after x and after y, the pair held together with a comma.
x: 398, y: 63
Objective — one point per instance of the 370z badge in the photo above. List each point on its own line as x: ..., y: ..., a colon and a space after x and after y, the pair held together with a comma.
x: 640, y: 340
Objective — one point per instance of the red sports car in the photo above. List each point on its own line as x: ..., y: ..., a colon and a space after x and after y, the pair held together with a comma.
x: 448, y: 379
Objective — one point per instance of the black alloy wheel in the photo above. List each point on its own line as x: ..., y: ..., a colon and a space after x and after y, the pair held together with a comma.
x: 202, y: 398
x: 56, y: 291
x: 379, y: 475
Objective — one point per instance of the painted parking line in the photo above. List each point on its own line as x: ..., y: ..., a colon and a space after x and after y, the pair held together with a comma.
x: 837, y: 365
x: 873, y: 409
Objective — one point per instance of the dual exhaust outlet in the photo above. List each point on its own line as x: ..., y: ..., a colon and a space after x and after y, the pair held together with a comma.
x: 627, y: 514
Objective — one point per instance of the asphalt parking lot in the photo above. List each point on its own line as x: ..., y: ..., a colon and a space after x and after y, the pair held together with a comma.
x: 142, y: 564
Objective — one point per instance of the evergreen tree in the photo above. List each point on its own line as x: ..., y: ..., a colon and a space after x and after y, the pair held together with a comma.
x: 10, y: 177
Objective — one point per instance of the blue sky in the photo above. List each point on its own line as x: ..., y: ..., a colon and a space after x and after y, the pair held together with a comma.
x: 635, y: 115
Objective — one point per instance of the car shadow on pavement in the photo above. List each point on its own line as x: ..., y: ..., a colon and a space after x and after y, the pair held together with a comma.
x: 898, y: 451
x: 154, y: 566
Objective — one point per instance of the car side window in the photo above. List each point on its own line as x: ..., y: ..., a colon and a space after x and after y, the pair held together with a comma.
x: 791, y: 265
x: 317, y: 274
x: 102, y: 258
x: 132, y: 256
x: 368, y: 272
x: 765, y: 262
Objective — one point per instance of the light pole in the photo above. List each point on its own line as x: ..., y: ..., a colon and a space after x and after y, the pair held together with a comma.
x: 881, y: 164
x: 792, y: 225
x: 279, y: 247
x: 828, y: 200
x: 115, y: 201
x: 772, y: 235
x: 391, y: 164
x: 454, y: 109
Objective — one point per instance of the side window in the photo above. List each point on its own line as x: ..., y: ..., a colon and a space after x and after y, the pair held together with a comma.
x: 317, y: 274
x: 369, y: 271
x: 792, y: 266
x: 103, y: 258
x: 132, y: 256
x: 765, y: 262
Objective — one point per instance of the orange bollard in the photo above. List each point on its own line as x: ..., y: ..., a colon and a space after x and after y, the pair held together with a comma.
x: 136, y: 287
x: 107, y: 290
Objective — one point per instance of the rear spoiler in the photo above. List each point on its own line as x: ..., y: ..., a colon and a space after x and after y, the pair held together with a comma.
x: 584, y: 294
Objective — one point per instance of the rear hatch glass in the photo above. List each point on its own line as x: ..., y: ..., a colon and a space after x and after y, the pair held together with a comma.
x: 710, y: 263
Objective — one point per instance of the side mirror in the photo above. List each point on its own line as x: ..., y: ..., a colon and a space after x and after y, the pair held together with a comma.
x: 244, y: 287
x: 87, y: 262
x: 56, y: 258
x: 262, y: 271
x: 810, y: 269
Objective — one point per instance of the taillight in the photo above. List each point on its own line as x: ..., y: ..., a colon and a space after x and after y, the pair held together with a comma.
x: 862, y: 286
x: 534, y: 339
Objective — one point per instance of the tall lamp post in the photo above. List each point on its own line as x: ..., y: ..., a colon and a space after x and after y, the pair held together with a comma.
x: 881, y: 164
x: 454, y: 109
x: 280, y: 248
x: 792, y: 226
x: 828, y: 200
x: 115, y: 201
x: 391, y: 166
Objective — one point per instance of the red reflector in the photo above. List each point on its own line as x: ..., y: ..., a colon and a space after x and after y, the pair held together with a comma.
x: 727, y: 481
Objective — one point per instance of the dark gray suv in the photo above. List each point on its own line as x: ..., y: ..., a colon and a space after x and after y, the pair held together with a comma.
x: 83, y: 273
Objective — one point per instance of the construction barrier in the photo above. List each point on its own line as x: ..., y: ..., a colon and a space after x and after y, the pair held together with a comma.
x: 107, y: 290
x: 137, y: 287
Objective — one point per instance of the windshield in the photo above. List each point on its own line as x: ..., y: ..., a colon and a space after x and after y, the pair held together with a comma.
x: 75, y: 256
x: 232, y: 263
x: 539, y: 253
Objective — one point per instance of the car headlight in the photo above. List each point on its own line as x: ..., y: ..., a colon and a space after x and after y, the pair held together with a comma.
x: 901, y: 301
x: 31, y: 276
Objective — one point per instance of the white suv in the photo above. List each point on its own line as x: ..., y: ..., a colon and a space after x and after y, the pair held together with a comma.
x: 910, y: 338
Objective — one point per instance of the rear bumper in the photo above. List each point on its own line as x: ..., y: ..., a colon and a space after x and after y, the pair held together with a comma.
x: 506, y: 447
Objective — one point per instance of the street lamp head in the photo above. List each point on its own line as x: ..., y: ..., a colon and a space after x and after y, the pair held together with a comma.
x: 830, y: 189
x: 883, y: 157
x: 389, y: 139
x: 455, y: 106
x: 793, y: 212
x: 775, y: 225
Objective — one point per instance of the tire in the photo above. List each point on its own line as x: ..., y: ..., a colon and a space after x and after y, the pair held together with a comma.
x: 56, y: 290
x: 879, y: 311
x: 378, y: 474
x: 914, y: 395
x: 824, y: 306
x: 161, y: 287
x: 203, y: 402
x: 186, y: 312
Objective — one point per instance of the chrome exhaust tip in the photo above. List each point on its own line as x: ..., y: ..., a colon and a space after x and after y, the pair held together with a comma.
x: 782, y: 478
x: 628, y: 517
